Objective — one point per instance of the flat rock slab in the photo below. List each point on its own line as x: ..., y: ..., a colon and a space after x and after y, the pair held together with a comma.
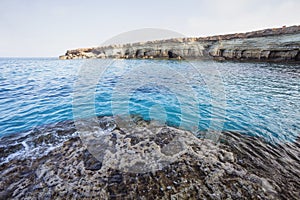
x: 238, y: 167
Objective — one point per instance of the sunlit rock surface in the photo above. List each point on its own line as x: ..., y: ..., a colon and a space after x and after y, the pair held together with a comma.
x: 277, y: 44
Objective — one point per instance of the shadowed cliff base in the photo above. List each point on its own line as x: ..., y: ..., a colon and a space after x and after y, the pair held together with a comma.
x: 268, y: 45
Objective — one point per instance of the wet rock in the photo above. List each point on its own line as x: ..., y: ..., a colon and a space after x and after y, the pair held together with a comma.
x: 10, y: 149
x: 202, y: 169
x: 115, y: 178
x: 90, y: 162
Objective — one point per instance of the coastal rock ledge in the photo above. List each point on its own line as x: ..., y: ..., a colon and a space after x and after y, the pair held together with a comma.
x: 275, y: 45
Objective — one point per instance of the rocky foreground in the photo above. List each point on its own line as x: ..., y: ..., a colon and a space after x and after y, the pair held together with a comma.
x: 274, y: 45
x: 238, y: 167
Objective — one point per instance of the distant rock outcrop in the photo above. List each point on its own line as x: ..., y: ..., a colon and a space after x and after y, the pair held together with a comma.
x: 277, y: 44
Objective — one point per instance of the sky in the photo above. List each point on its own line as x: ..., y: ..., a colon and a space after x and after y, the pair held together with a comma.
x: 43, y: 28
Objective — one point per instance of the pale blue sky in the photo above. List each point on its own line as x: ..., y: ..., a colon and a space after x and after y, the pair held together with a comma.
x: 33, y: 28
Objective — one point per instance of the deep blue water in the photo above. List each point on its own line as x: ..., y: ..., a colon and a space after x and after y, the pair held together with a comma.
x: 258, y: 99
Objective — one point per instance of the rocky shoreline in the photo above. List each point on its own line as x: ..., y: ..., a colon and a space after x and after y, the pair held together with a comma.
x: 269, y: 45
x: 238, y: 167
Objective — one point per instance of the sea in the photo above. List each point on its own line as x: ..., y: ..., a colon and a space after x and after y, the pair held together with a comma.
x: 258, y: 99
x: 252, y: 109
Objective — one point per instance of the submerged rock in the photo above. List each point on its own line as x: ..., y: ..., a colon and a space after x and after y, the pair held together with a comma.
x: 277, y: 45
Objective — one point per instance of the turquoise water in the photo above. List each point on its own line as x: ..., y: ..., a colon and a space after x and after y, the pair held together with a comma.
x: 258, y: 99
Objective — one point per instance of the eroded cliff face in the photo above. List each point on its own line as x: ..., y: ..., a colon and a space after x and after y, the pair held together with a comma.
x: 279, y: 45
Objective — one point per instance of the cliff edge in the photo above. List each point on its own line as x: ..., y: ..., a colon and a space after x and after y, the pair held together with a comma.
x: 275, y: 45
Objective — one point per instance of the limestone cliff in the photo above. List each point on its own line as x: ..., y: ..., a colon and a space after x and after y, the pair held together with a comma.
x: 277, y: 44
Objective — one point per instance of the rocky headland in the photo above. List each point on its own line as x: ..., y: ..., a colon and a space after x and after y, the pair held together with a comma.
x: 270, y: 45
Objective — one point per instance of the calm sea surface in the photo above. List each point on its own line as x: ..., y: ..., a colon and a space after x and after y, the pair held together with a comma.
x: 257, y: 99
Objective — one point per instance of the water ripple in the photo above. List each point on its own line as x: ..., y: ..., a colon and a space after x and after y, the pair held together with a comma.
x: 261, y: 99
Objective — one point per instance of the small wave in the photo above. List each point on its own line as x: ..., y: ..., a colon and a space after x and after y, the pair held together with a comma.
x: 37, y: 142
